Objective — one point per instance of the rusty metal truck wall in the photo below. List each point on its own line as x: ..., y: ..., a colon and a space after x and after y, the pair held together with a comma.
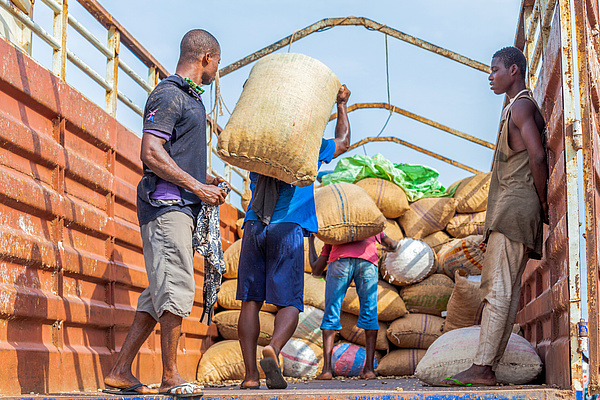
x: 544, y: 311
x: 71, y: 265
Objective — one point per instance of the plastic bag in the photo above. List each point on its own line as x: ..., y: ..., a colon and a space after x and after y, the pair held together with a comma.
x: 418, y: 181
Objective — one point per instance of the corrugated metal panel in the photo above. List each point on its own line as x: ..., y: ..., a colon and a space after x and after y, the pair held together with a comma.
x: 71, y: 265
x: 544, y: 313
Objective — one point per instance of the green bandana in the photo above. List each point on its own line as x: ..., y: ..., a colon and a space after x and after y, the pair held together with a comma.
x: 194, y: 86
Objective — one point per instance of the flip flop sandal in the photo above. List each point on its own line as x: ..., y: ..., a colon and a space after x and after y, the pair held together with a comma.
x: 128, y: 391
x: 272, y: 373
x: 187, y: 390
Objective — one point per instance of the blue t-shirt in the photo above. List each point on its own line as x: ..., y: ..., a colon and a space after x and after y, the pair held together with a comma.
x: 295, y: 204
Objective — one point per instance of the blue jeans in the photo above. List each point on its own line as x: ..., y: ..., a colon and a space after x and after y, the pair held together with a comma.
x: 339, y: 276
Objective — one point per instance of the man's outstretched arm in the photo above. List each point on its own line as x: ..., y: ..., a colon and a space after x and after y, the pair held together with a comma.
x: 342, y: 127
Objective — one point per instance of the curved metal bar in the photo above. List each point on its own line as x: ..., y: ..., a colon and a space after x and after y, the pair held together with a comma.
x: 328, y: 23
x: 414, y: 147
x: 421, y: 119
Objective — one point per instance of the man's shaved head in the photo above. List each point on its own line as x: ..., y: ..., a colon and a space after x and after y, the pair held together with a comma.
x: 197, y: 43
x: 511, y: 55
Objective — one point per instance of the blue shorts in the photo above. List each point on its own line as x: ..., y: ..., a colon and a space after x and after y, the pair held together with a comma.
x: 339, y: 276
x: 271, y: 264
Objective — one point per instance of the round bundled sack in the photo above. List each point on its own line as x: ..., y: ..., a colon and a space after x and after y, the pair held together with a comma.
x: 278, y: 122
x: 427, y: 216
x: 239, y: 225
x: 226, y: 298
x: 463, y: 225
x: 465, y: 255
x: 472, y: 193
x: 411, y: 262
x: 415, y: 331
x: 346, y: 213
x: 437, y: 240
x: 227, y: 323
x: 314, y: 291
x: 402, y: 362
x: 301, y: 359
x: 223, y: 361
x: 429, y: 296
x: 231, y: 257
x: 389, y: 197
x: 309, y: 325
x: 389, y: 303
x: 356, y: 335
x: 349, y: 359
x: 318, y: 248
x: 465, y: 305
x: 454, y: 352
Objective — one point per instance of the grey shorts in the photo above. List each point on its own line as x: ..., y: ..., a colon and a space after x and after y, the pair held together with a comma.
x: 169, y: 259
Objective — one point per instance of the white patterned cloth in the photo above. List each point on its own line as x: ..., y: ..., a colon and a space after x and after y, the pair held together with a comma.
x: 207, y: 242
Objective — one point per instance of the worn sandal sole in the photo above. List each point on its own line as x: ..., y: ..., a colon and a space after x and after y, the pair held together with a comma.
x: 273, y: 374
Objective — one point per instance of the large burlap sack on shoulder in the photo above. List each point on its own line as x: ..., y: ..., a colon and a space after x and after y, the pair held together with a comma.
x: 227, y: 323
x: 463, y: 225
x: 427, y: 216
x: 302, y: 359
x: 411, y: 262
x: 226, y: 298
x: 356, y: 335
x: 465, y: 305
x: 223, y: 361
x: 472, y: 193
x: 465, y: 255
x: 346, y: 213
x: 437, y: 240
x: 415, y: 331
x: 318, y: 248
x: 402, y: 362
x: 349, y: 359
x: 309, y: 325
x: 278, y: 123
x: 314, y: 291
x: 454, y: 352
x: 389, y: 197
x: 389, y: 303
x: 429, y: 296
x: 231, y: 256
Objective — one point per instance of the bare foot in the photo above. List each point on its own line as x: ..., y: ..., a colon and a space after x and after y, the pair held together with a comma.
x: 325, y: 376
x: 270, y: 352
x: 249, y: 383
x: 368, y: 375
x: 176, y: 381
x: 125, y: 380
x: 477, y: 375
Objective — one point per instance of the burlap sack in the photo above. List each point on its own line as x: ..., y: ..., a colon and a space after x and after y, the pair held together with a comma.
x: 464, y: 255
x: 429, y: 296
x: 302, y: 359
x: 226, y: 298
x: 346, y: 213
x: 223, y: 361
x: 227, y: 323
x: 436, y: 240
x: 389, y: 197
x: 463, y: 225
x: 231, y: 256
x: 465, y: 304
x: 454, y: 352
x: 415, y: 331
x: 239, y: 226
x: 278, y: 123
x: 314, y: 291
x: 472, y: 193
x: 427, y: 216
x: 411, y: 262
x: 389, y: 303
x: 356, y: 335
x: 318, y: 247
x: 246, y: 197
x: 402, y: 362
x: 393, y: 231
x: 309, y: 325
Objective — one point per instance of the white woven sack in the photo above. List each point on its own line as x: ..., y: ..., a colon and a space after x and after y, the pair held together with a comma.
x: 301, y: 359
x: 454, y: 352
x: 309, y: 325
x: 278, y: 123
x: 411, y: 262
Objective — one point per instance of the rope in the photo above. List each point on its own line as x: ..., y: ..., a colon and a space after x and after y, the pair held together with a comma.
x: 291, y: 40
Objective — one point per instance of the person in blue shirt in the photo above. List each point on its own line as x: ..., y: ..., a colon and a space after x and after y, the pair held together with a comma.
x: 271, y: 266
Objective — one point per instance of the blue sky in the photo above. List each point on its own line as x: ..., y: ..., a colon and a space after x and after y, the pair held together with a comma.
x: 420, y: 81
